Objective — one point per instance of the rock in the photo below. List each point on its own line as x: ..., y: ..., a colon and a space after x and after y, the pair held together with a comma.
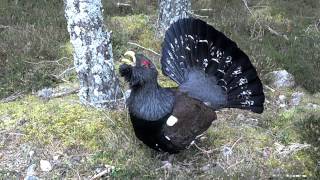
x: 280, y: 79
x: 45, y: 165
x: 296, y: 98
x: 45, y: 93
x: 312, y: 106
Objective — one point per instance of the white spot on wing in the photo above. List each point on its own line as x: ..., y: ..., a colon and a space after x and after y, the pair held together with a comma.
x: 220, y: 70
x: 243, y: 81
x: 171, y: 120
x: 216, y: 60
x: 192, y: 142
x: 203, y: 41
x: 237, y: 71
x: 191, y: 37
x: 167, y: 138
x: 228, y: 59
x: 247, y: 103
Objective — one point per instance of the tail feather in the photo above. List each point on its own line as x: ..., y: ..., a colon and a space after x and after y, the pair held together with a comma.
x: 194, y: 51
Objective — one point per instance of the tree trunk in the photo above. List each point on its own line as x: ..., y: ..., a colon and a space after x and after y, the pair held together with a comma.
x: 170, y: 11
x: 93, y: 57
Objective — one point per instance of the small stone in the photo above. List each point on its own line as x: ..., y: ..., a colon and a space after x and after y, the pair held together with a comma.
x: 56, y: 157
x: 45, y: 165
x: 166, y: 165
x: 206, y: 168
x: 296, y: 98
x: 282, y: 98
x: 31, y: 153
x: 280, y: 79
x: 226, y: 151
x: 282, y: 101
x: 240, y: 117
x: 312, y: 106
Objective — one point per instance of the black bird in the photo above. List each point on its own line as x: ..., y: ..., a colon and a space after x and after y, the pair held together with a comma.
x: 212, y: 73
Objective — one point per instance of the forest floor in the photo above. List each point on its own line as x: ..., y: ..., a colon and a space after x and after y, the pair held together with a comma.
x: 81, y: 142
x: 62, y: 139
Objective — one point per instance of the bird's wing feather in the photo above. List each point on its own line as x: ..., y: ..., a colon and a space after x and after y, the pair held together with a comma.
x: 190, y: 118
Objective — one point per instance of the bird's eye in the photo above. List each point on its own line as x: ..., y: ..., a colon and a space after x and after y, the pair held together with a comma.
x: 146, y: 63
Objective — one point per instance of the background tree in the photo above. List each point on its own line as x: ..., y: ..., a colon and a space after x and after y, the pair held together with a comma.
x: 170, y: 11
x: 93, y: 57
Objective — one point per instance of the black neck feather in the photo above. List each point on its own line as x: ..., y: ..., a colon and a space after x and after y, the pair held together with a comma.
x: 150, y: 102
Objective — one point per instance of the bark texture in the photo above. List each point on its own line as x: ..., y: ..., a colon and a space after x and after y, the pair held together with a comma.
x: 93, y: 57
x: 170, y: 11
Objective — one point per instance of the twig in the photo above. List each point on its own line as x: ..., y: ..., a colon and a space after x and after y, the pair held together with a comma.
x: 135, y: 44
x: 197, y: 15
x: 123, y: 4
x: 207, y: 152
x: 41, y: 62
x: 272, y: 31
x: 235, y: 143
x: 237, y: 162
x: 67, y: 70
x: 269, y: 88
x: 204, y: 9
x: 106, y: 171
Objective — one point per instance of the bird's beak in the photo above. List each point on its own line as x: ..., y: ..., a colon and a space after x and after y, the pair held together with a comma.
x: 131, y: 60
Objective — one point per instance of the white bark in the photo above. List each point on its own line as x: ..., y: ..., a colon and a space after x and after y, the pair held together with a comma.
x: 93, y: 57
x: 170, y: 11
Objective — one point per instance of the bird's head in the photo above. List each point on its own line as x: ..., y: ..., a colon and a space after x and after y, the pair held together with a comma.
x: 138, y: 70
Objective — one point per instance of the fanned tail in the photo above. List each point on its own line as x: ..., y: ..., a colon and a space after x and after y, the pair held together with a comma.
x: 210, y: 67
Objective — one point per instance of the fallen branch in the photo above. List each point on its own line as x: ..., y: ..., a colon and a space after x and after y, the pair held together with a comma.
x: 66, y: 93
x: 269, y: 88
x: 135, y: 44
x: 67, y: 70
x: 197, y: 15
x: 204, y: 9
x: 123, y: 4
x: 272, y: 31
x: 12, y: 97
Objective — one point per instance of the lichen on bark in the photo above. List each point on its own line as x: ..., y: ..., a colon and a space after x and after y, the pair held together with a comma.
x: 170, y: 11
x: 93, y: 57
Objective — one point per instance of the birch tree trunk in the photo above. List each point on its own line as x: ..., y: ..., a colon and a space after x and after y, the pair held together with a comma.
x: 170, y: 11
x: 93, y: 57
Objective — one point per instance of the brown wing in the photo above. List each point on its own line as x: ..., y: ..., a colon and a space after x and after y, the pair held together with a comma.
x: 190, y: 118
